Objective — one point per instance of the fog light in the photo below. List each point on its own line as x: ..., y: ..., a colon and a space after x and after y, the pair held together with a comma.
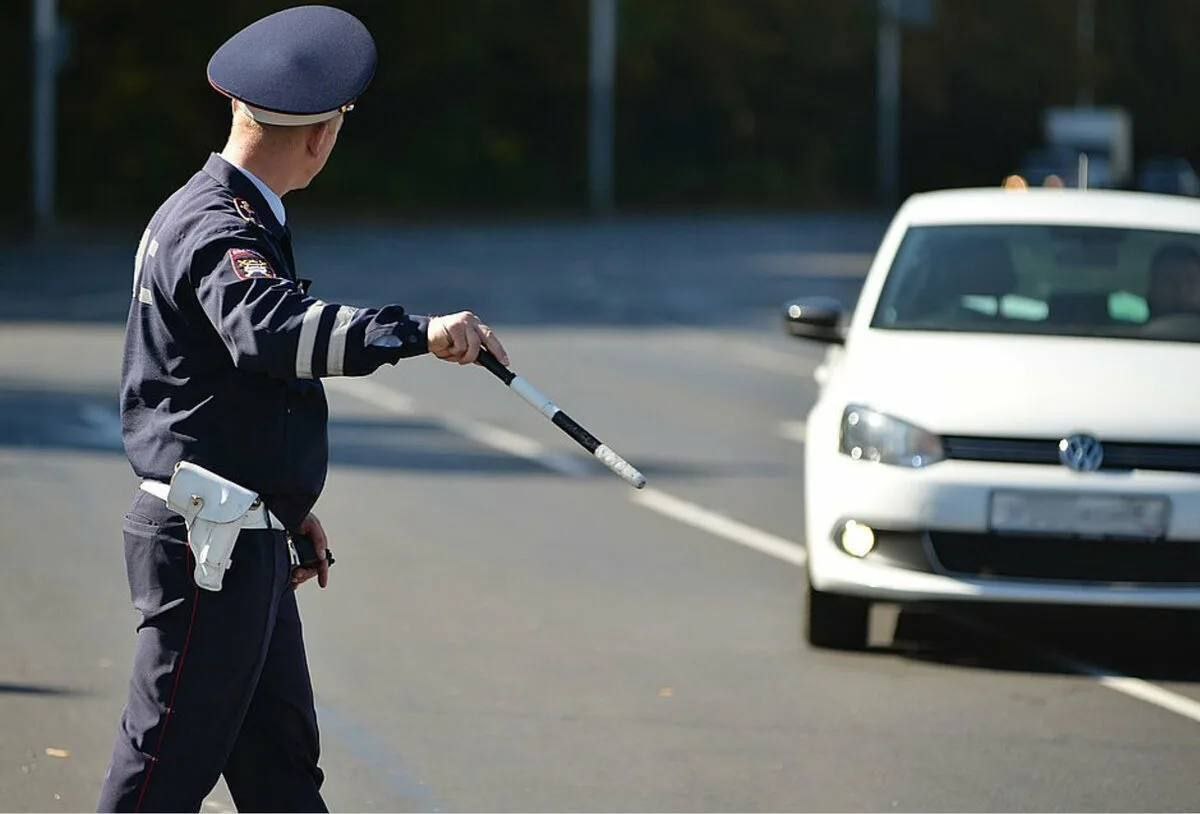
x: 857, y: 539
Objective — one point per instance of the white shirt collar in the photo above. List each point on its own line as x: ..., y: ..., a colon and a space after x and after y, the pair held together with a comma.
x: 273, y: 200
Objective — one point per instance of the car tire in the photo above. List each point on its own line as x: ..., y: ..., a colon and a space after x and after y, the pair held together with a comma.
x: 836, y: 621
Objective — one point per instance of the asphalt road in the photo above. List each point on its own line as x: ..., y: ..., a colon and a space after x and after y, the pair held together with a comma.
x: 509, y: 627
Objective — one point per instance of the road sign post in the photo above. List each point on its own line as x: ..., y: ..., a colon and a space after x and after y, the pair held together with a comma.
x: 47, y: 55
x: 887, y: 101
x: 602, y: 60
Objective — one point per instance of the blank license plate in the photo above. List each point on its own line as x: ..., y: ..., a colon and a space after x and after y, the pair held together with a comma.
x: 1079, y: 514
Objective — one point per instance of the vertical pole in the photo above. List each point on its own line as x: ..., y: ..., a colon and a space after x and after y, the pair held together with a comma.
x: 1085, y: 42
x: 602, y: 60
x: 42, y: 129
x: 887, y: 100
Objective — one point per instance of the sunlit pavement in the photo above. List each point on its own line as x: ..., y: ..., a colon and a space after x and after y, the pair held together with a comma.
x: 509, y: 627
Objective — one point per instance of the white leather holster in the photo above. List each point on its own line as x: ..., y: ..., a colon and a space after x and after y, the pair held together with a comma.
x: 215, y: 510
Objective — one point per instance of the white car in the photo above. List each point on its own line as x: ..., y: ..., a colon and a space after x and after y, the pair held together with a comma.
x: 1012, y: 411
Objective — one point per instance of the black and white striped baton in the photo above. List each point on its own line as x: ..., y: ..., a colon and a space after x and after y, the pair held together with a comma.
x: 564, y: 422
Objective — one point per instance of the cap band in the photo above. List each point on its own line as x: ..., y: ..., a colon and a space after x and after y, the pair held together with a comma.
x: 290, y: 119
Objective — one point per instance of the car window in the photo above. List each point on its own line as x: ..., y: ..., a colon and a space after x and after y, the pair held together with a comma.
x: 1045, y: 279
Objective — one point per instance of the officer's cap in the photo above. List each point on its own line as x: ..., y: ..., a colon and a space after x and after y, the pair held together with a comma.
x: 298, y: 66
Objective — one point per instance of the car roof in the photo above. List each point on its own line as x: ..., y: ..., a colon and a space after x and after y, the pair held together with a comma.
x: 1091, y: 207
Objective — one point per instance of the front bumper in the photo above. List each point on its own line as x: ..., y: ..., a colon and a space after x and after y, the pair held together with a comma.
x: 936, y: 543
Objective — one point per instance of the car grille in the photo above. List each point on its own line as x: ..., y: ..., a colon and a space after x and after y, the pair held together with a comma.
x: 1117, y: 455
x: 1066, y: 558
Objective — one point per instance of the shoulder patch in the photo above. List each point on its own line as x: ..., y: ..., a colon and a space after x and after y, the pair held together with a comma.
x: 249, y: 264
x: 244, y: 209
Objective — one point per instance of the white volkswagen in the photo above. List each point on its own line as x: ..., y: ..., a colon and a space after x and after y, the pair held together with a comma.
x: 1011, y: 412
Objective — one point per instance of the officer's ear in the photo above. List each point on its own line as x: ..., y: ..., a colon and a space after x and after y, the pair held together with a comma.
x: 322, y: 137
x: 314, y: 138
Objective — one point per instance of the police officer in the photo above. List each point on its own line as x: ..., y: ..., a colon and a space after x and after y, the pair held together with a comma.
x: 224, y: 351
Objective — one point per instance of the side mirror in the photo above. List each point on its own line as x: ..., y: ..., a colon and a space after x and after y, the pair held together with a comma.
x: 817, y: 318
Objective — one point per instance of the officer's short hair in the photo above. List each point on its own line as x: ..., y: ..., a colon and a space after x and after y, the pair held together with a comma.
x: 268, y: 132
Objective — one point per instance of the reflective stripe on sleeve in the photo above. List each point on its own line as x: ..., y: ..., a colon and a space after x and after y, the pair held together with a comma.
x: 139, y: 258
x: 336, y: 361
x: 308, y: 340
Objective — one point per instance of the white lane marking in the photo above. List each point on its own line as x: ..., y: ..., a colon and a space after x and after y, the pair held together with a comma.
x: 1134, y: 687
x: 524, y: 447
x: 481, y: 432
x: 376, y: 394
x: 698, y: 517
x: 219, y: 807
x: 780, y: 548
x: 1150, y: 693
x: 514, y: 444
x: 793, y: 431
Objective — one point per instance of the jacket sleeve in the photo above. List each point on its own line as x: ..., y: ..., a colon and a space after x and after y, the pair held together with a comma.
x: 271, y: 326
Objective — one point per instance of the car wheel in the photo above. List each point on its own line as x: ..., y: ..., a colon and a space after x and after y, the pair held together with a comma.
x: 836, y: 621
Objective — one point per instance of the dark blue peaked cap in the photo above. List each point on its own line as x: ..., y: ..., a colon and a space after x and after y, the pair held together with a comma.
x: 298, y: 66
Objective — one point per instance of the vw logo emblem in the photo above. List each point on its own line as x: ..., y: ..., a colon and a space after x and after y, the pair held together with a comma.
x: 1083, y: 453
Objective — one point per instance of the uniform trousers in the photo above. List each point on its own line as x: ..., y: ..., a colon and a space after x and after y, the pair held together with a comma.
x: 220, y: 680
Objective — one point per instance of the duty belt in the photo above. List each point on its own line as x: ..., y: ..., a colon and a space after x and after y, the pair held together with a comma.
x: 215, y: 510
x: 258, y: 517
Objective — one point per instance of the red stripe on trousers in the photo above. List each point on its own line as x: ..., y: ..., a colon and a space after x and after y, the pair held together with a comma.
x: 171, y: 703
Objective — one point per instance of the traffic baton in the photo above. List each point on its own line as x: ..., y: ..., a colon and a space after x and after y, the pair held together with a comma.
x: 538, y: 401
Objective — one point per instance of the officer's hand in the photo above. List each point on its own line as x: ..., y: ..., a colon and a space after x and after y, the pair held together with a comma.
x: 312, y: 528
x: 458, y: 337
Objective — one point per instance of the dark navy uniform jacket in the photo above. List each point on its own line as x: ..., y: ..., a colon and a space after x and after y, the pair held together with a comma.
x: 224, y: 346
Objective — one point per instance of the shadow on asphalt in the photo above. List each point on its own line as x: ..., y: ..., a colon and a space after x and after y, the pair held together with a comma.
x: 7, y: 688
x: 1153, y: 644
x: 32, y: 417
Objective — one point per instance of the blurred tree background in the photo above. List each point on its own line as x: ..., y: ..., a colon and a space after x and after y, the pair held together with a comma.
x: 481, y: 105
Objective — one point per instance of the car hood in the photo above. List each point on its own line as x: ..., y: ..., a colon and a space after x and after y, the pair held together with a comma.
x: 1027, y: 386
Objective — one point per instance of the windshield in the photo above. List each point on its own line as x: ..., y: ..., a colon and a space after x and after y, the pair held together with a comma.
x: 1045, y: 279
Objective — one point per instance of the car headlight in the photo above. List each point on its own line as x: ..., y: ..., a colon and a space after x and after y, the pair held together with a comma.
x: 871, y: 436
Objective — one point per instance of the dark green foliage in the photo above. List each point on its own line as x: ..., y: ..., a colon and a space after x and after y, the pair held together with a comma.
x: 480, y: 105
